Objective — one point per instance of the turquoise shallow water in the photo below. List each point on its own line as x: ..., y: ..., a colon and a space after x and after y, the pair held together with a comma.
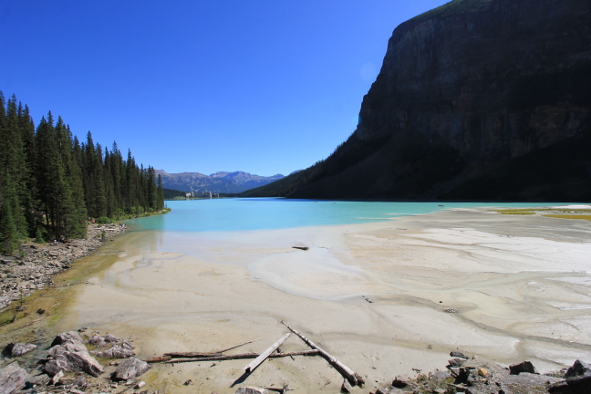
x: 241, y: 214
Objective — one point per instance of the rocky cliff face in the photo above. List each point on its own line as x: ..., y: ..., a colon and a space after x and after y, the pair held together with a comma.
x: 472, y: 101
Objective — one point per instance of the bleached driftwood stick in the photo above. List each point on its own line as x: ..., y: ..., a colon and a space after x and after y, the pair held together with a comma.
x: 256, y: 362
x: 347, y: 372
x: 241, y: 356
x: 206, y: 354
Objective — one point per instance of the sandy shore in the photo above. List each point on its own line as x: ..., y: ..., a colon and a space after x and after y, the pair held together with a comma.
x: 521, y: 286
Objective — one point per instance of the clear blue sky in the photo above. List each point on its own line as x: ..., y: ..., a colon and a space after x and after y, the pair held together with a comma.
x: 262, y: 86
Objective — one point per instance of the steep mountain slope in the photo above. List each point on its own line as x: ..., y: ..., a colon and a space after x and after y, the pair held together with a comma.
x: 477, y: 99
x: 219, y: 182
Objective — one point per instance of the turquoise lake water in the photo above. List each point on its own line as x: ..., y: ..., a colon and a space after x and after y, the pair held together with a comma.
x: 243, y: 214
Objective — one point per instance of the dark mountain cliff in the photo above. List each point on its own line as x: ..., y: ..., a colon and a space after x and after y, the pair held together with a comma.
x: 477, y: 99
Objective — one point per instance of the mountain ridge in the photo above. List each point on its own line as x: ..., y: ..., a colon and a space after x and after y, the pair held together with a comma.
x: 218, y: 182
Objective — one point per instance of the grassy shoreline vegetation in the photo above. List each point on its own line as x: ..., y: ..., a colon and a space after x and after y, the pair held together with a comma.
x: 560, y: 213
x: 51, y: 184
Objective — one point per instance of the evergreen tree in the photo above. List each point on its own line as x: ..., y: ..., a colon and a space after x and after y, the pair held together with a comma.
x: 13, y: 225
x: 50, y: 183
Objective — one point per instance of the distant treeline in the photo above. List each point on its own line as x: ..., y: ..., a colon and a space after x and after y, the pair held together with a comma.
x: 51, y: 184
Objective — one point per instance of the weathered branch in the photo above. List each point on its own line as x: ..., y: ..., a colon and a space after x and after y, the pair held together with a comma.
x: 206, y: 354
x: 263, y: 356
x: 241, y: 356
x: 347, y: 372
x: 157, y: 359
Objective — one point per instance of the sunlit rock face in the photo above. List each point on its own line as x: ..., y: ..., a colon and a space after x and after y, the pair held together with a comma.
x: 473, y: 101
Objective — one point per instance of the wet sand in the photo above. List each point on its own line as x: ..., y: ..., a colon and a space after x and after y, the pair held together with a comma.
x: 377, y: 296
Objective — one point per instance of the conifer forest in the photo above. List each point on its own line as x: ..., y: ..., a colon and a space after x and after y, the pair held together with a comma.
x: 52, y: 184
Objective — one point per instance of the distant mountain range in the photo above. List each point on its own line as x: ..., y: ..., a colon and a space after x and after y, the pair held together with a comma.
x: 218, y: 182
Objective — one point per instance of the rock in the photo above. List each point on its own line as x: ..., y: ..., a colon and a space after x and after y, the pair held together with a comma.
x: 525, y: 366
x: 97, y: 340
x: 81, y: 382
x: 71, y: 346
x: 116, y: 351
x: 251, y: 390
x: 576, y: 385
x: 455, y: 363
x: 57, y: 377
x: 12, y: 378
x: 579, y: 368
x: 112, y: 339
x: 346, y: 387
x: 39, y: 380
x: 72, y: 357
x: 527, y: 382
x: 457, y: 355
x: 399, y: 384
x: 65, y: 337
x: 18, y: 349
x: 130, y: 369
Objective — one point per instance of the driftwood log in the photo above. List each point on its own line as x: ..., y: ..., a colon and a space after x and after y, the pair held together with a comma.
x: 157, y: 359
x: 205, y: 354
x: 312, y: 352
x: 263, y: 356
x: 353, y: 378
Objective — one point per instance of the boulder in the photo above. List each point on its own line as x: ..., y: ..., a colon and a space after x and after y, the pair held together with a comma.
x: 97, y: 340
x: 18, y: 349
x: 579, y: 368
x: 130, y: 369
x: 65, y: 337
x: 116, y: 351
x: 455, y: 363
x: 576, y: 385
x: 525, y: 366
x: 73, y: 361
x: 12, y: 378
x: 70, y: 346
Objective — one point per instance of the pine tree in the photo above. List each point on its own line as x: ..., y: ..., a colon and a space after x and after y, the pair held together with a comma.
x: 13, y: 225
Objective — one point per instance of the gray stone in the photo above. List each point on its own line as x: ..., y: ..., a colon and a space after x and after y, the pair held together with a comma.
x: 525, y: 366
x: 457, y: 355
x: 251, y: 390
x: 77, y: 361
x: 579, y: 368
x: 18, y: 349
x: 12, y: 378
x: 346, y: 387
x: 130, y: 369
x: 39, y: 380
x: 576, y: 385
x: 97, y: 340
x: 70, y: 346
x: 116, y: 351
x: 455, y: 362
x: 65, y: 337
x: 112, y: 339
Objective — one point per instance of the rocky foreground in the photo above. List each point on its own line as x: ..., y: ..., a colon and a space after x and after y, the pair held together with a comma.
x: 71, y: 365
x: 33, y: 265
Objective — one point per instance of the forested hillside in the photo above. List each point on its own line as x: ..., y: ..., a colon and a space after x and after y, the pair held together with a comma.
x: 51, y: 184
